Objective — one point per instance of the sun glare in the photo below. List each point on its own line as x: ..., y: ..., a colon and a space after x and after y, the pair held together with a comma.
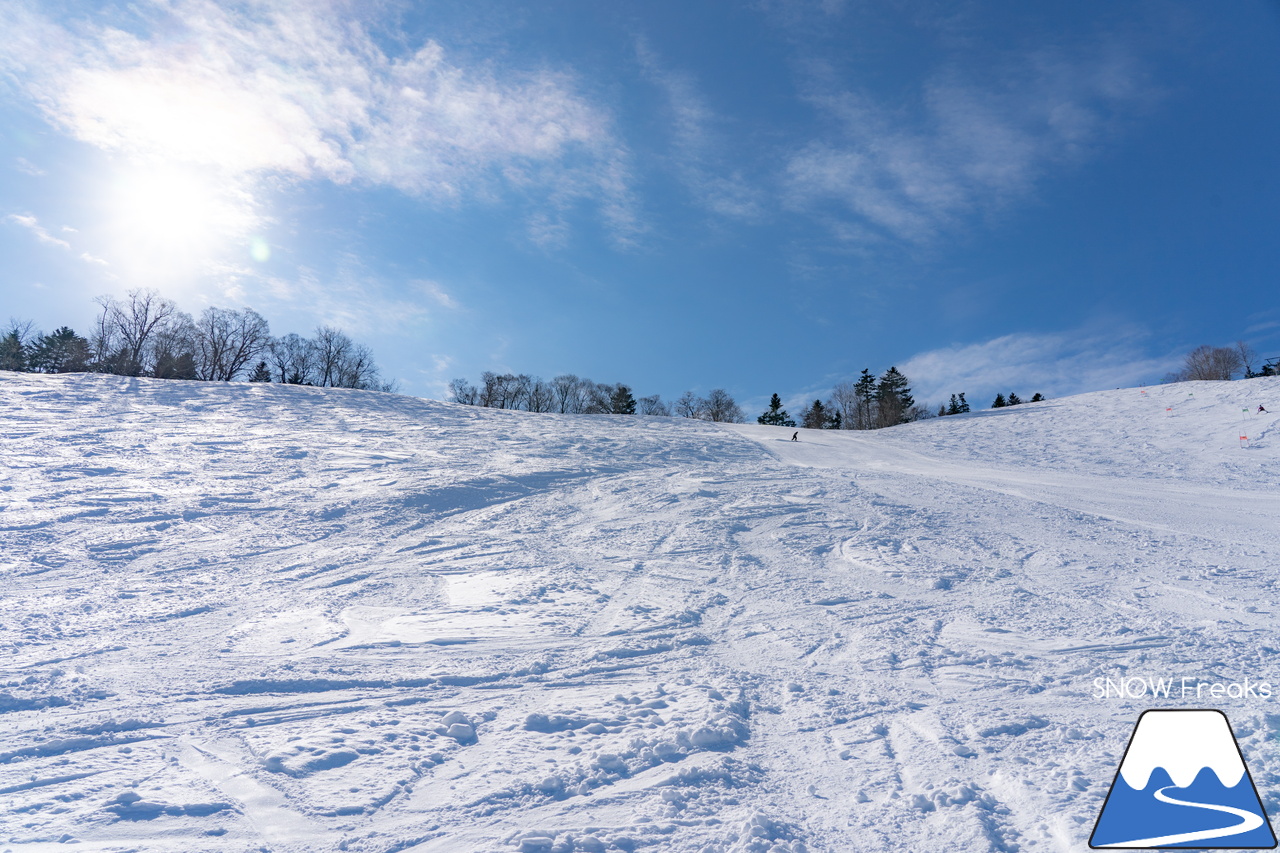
x: 168, y: 220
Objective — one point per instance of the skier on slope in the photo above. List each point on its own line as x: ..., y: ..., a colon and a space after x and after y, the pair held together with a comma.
x: 1262, y: 410
x: 795, y: 436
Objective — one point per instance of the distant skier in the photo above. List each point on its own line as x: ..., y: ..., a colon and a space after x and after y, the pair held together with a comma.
x: 795, y: 436
x: 1262, y: 410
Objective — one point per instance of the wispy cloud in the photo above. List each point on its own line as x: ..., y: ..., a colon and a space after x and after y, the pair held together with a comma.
x: 701, y: 158
x: 436, y: 293
x: 25, y: 165
x: 303, y: 90
x: 1055, y: 364
x: 961, y: 145
x: 350, y: 297
x: 33, y: 225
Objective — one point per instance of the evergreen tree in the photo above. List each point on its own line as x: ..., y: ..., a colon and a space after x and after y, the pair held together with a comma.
x: 865, y: 391
x: 776, y: 415
x: 621, y: 402
x: 1014, y: 399
x: 893, y: 398
x: 1037, y: 398
x: 815, y: 416
x: 13, y: 355
x: 834, y: 420
x: 952, y: 408
x: 175, y: 365
x: 964, y: 404
x: 261, y: 373
x: 61, y: 352
x: 942, y: 408
x: 999, y: 402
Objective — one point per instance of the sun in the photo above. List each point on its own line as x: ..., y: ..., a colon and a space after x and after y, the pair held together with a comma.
x: 167, y: 220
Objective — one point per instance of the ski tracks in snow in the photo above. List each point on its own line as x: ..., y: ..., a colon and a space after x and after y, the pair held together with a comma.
x: 238, y: 616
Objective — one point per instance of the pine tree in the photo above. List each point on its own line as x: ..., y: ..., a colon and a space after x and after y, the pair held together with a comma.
x: 13, y: 354
x: 942, y: 408
x: 834, y: 420
x: 865, y: 391
x: 1014, y: 399
x: 621, y: 402
x: 776, y: 415
x: 952, y: 408
x: 999, y: 402
x: 893, y: 398
x: 261, y: 373
x: 964, y: 404
x: 1037, y: 398
x: 63, y: 351
x: 815, y: 416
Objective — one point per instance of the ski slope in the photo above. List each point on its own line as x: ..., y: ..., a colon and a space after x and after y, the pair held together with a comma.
x: 251, y: 617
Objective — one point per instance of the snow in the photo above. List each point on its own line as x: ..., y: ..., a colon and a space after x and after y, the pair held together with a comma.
x: 252, y: 617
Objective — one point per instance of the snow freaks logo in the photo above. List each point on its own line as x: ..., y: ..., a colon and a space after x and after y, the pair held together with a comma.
x: 1138, y: 687
x: 1183, y: 783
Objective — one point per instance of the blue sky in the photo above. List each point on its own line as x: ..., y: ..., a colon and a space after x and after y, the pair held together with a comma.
x: 762, y: 196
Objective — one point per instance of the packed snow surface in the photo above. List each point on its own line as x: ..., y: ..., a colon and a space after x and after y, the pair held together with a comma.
x: 252, y: 617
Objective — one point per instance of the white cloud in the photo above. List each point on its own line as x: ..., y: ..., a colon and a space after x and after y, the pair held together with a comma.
x: 1056, y: 364
x: 33, y: 225
x: 437, y: 294
x: 699, y: 146
x: 962, y: 145
x: 298, y: 89
x: 350, y: 297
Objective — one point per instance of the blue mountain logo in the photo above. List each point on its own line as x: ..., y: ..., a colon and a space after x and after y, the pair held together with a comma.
x: 1183, y: 784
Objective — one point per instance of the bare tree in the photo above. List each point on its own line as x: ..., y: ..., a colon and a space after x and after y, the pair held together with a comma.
x: 690, y: 405
x: 570, y: 393
x: 331, y: 348
x: 462, y: 391
x: 1209, y: 363
x: 292, y: 358
x: 722, y: 408
x: 541, y: 397
x: 846, y: 400
x: 653, y: 405
x: 126, y: 328
x: 358, y: 370
x: 227, y: 340
x: 519, y: 387
x: 1247, y: 358
x: 597, y: 398
x: 174, y: 349
x: 503, y: 391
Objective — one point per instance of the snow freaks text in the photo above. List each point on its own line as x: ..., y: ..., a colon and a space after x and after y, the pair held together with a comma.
x: 1185, y: 687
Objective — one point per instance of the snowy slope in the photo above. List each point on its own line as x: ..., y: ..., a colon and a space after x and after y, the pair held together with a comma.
x: 243, y: 617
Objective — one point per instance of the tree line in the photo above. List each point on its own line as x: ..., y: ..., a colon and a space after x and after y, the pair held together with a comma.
x: 868, y: 403
x: 864, y: 403
x: 145, y: 334
x: 569, y: 394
